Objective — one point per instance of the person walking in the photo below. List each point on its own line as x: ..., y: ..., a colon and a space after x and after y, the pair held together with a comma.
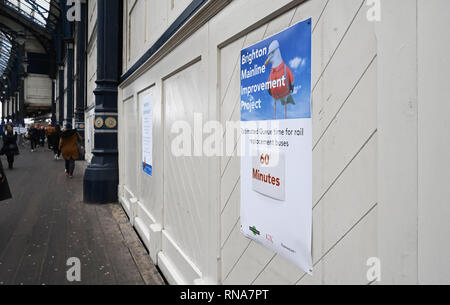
x: 69, y: 148
x: 34, y: 137
x: 56, y: 137
x: 10, y: 147
x: 42, y: 136
x: 49, y: 132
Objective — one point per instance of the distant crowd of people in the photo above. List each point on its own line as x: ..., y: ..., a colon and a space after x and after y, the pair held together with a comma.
x: 38, y: 134
x: 65, y: 143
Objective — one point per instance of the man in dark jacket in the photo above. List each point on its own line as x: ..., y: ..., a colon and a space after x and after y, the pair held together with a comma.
x: 55, y: 142
x: 34, y: 137
x: 10, y: 148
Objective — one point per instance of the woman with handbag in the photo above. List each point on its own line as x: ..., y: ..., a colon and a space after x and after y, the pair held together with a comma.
x: 69, y: 148
x: 10, y: 147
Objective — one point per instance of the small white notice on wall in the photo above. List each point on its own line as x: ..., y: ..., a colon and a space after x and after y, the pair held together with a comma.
x: 147, y: 134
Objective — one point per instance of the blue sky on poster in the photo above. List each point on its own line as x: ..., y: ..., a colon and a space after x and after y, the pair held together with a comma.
x: 295, y: 47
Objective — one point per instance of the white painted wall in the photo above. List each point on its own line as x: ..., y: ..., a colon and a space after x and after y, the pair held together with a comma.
x: 397, y: 135
x: 378, y: 94
x: 145, y: 21
x: 92, y: 17
x: 91, y: 72
x: 89, y: 118
x: 344, y: 141
x: 434, y: 142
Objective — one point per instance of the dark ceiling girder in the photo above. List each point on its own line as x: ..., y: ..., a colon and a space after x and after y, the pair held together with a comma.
x: 16, y: 23
x: 45, y: 40
x: 25, y: 22
x: 35, y: 8
x: 43, y: 34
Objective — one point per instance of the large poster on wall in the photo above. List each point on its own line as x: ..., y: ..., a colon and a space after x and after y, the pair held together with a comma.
x: 147, y: 134
x: 276, y: 144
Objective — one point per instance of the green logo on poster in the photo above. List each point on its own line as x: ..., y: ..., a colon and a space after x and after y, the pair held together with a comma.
x: 255, y: 231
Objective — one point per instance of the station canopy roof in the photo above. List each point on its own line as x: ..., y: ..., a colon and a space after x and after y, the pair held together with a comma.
x: 37, y: 11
